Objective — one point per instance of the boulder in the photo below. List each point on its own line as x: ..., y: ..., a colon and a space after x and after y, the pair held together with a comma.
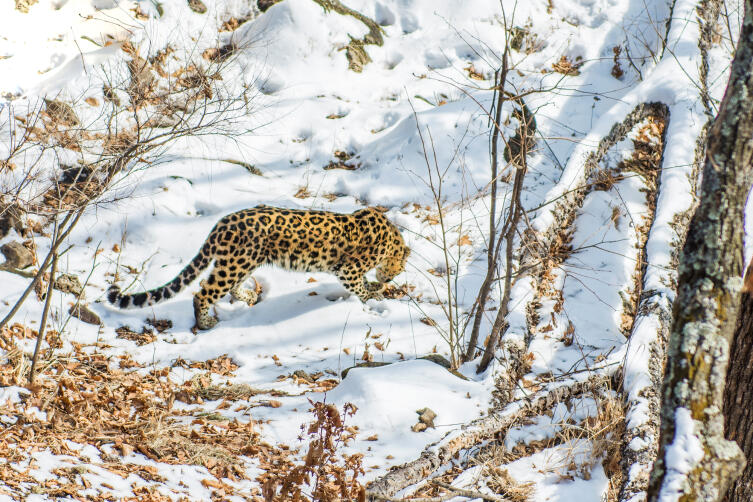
x: 17, y: 255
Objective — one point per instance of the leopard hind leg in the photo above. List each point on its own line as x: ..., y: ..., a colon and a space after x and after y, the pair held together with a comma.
x: 217, y: 285
x: 226, y: 277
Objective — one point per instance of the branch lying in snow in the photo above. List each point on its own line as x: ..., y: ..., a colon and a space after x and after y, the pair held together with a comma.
x: 454, y: 492
x: 646, y: 352
x: 470, y: 493
x: 551, y: 222
x: 498, y: 422
x: 29, y: 274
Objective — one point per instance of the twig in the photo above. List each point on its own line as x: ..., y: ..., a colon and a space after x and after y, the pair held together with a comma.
x: 492, y: 256
x: 53, y: 251
x: 45, y: 311
x: 523, y: 135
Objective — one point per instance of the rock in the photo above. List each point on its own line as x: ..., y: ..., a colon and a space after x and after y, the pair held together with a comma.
x: 419, y: 427
x: 17, y: 255
x: 426, y: 416
x: 68, y: 283
x: 83, y: 313
x: 437, y: 359
x: 197, y: 6
x: 368, y: 364
x: 303, y: 375
x: 61, y: 113
x: 12, y: 216
x: 263, y: 5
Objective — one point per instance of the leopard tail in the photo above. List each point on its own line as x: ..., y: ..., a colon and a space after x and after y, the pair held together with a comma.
x: 164, y: 292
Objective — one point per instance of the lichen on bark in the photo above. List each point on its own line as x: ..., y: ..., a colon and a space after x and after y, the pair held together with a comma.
x: 708, y: 297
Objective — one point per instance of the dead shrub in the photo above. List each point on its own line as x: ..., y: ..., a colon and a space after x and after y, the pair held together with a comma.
x: 330, y: 475
x: 617, y: 71
x: 567, y: 67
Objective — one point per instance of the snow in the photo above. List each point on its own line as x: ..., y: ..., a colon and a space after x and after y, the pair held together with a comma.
x: 681, y: 457
x: 292, y: 54
x: 552, y: 472
x: 12, y: 394
x: 388, y: 397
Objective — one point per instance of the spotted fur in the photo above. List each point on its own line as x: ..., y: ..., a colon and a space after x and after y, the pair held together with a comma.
x: 346, y: 245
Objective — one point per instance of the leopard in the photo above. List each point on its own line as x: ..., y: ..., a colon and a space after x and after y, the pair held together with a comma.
x: 345, y: 245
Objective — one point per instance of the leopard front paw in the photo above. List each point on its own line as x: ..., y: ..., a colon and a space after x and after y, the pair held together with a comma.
x: 375, y: 291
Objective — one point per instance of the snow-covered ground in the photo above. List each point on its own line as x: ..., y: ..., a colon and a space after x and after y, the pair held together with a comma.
x: 432, y: 77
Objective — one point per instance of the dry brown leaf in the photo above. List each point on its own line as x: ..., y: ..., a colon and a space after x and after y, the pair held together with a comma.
x: 428, y: 321
x: 464, y: 240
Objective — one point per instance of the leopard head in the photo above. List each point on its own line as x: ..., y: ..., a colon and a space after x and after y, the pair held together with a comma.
x: 391, y: 247
x: 394, y: 263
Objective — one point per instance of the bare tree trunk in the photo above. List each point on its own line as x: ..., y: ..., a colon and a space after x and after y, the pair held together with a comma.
x: 492, y: 256
x: 738, y: 394
x: 695, y: 461
x: 43, y: 323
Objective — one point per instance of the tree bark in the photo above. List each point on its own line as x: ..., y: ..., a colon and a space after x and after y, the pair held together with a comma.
x: 695, y: 461
x: 738, y: 394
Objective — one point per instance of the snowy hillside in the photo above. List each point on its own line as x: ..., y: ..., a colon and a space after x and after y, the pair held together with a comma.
x: 139, y: 406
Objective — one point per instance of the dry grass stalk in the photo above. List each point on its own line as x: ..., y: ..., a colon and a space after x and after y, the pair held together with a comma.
x: 499, y: 481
